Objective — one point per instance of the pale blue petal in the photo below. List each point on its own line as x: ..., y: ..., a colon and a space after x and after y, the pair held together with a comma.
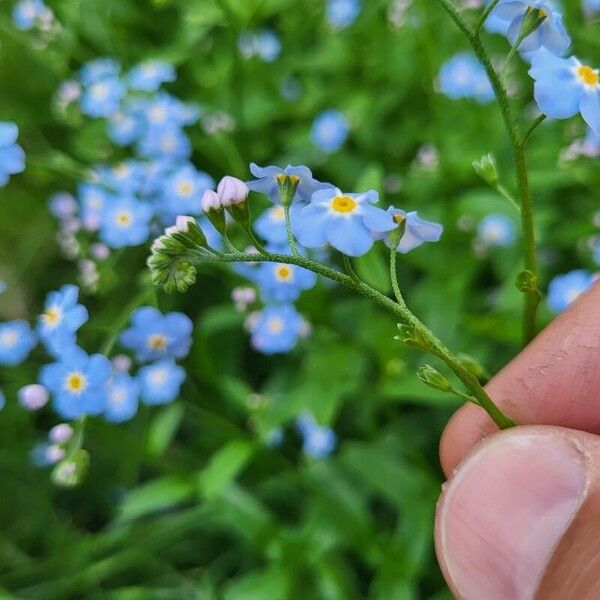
x: 590, y: 109
x: 377, y: 219
x: 350, y: 236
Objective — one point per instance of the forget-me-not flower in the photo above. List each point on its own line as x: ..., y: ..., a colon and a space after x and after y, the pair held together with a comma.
x: 150, y: 75
x: 318, y: 441
x: 342, y: 13
x: 270, y: 226
x: 126, y: 222
x: 463, y: 76
x: 564, y: 87
x: 551, y: 33
x: 417, y: 231
x: 496, y: 230
x: 276, y: 329
x: 267, y: 45
x: 125, y: 127
x: 268, y: 179
x: 154, y: 335
x: 92, y: 201
x: 183, y: 189
x: 348, y: 222
x: 17, y: 340
x: 161, y: 381
x: 122, y: 398
x: 27, y: 13
x: 100, y: 68
x: 329, y: 131
x: 77, y: 382
x: 12, y: 156
x: 565, y: 289
x: 61, y: 319
x: 282, y: 283
x: 102, y: 98
x: 165, y: 142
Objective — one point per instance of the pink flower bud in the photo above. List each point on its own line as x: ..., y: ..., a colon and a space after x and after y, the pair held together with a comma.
x: 100, y: 251
x: 54, y: 454
x: 232, y: 191
x: 33, y: 397
x: 157, y: 244
x: 183, y: 222
x: 210, y: 201
x: 122, y: 362
x: 171, y: 230
x: 60, y: 434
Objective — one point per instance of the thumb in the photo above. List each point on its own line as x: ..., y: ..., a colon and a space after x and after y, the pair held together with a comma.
x: 520, y: 518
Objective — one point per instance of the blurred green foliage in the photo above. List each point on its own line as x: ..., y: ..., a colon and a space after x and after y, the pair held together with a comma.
x: 188, y: 501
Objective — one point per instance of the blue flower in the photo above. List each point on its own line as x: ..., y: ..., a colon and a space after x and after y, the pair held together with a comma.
x: 342, y: 13
x: 565, y: 289
x: 77, y: 382
x: 17, y: 340
x: 154, y: 335
x: 62, y: 205
x: 125, y: 127
x: 268, y: 178
x: 329, y: 131
x: 150, y: 75
x: 122, y: 396
x: 102, y: 98
x: 497, y: 230
x: 92, y: 200
x: 213, y: 237
x: 183, y: 190
x: 167, y: 141
x: 551, y: 34
x: 267, y: 45
x: 591, y: 6
x: 27, y: 13
x: 126, y: 222
x: 348, y: 222
x: 125, y: 178
x: 98, y: 69
x: 155, y: 173
x: 282, y: 283
x: 166, y: 110
x: 277, y: 329
x: 61, y: 319
x: 270, y: 226
x: 318, y: 442
x: 463, y: 76
x: 12, y: 156
x: 161, y: 381
x: 494, y: 24
x: 564, y: 86
x: 417, y: 231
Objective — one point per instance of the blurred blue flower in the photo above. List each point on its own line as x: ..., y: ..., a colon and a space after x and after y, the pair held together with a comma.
x: 166, y: 142
x: 342, y: 13
x: 165, y: 110
x: 329, y: 131
x: 154, y: 335
x: 268, y: 45
x: 591, y: 6
x: 161, y: 381
x: 267, y: 181
x: 596, y: 253
x: 551, y: 34
x: 12, y: 156
x: 17, y: 340
x: 122, y: 397
x: 125, y: 222
x: 282, y: 283
x: 102, y: 98
x: 44, y: 454
x: 463, y: 76
x: 565, y: 289
x: 125, y: 178
x: 318, y: 442
x: 497, y: 230
x: 417, y: 231
x: 2, y: 400
x: 213, y: 237
x: 61, y: 319
x: 77, y: 382
x: 150, y: 75
x: 125, y: 127
x: 62, y: 205
x: 98, y: 69
x: 27, y: 13
x: 277, y: 329
x: 182, y: 191
x: 564, y: 86
x: 92, y: 201
x: 348, y: 222
x: 270, y: 226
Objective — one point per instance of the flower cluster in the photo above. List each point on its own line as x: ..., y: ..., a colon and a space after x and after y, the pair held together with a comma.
x: 463, y: 76
x: 321, y: 217
x: 28, y: 14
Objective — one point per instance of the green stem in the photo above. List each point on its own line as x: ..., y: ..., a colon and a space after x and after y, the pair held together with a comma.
x: 532, y: 296
x: 394, y: 278
x: 288, y: 228
x: 508, y: 196
x: 349, y: 268
x: 434, y: 345
x: 531, y: 129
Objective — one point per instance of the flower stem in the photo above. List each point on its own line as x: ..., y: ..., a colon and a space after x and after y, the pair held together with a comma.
x: 531, y: 129
x: 532, y: 295
x: 399, y: 310
x: 288, y: 228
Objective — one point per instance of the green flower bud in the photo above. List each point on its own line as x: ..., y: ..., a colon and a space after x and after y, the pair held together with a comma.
x: 72, y: 470
x: 288, y: 184
x: 485, y: 167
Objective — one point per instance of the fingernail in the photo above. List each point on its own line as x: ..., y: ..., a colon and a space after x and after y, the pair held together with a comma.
x: 504, y: 511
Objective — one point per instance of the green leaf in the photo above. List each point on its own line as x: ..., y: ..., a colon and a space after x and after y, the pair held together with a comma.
x: 373, y: 268
x: 223, y: 467
x: 162, y: 429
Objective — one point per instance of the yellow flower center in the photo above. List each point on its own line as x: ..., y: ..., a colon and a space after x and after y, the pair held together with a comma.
x: 123, y: 219
x: 343, y: 204
x: 157, y: 341
x: 121, y: 171
x: 275, y: 325
x: 588, y: 75
x: 76, y: 382
x: 277, y: 213
x: 185, y: 188
x: 52, y: 316
x: 283, y: 272
x: 399, y: 218
x: 9, y: 338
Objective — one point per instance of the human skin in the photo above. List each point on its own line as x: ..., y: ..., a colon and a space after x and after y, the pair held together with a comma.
x: 519, y: 517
